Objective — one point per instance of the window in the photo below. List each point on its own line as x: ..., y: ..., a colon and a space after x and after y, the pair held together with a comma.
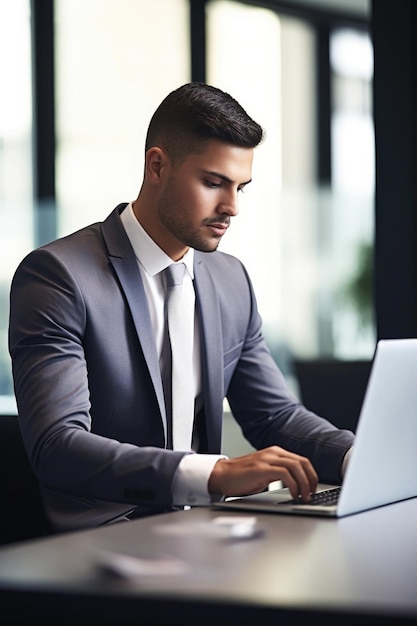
x: 353, y: 189
x: 16, y: 203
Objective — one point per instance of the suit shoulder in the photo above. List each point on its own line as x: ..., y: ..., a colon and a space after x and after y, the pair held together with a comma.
x: 73, y: 250
x: 106, y: 235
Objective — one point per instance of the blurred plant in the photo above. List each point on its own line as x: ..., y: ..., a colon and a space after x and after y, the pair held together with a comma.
x: 359, y: 288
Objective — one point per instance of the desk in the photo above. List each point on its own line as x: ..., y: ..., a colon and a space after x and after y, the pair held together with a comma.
x: 361, y: 568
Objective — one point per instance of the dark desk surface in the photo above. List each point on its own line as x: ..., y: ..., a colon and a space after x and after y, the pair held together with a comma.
x: 362, y: 567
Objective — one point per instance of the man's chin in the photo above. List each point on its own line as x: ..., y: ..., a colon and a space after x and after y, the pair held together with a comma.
x: 206, y: 246
x: 213, y: 247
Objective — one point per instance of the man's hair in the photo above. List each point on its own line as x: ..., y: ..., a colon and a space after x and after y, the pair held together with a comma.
x: 195, y: 113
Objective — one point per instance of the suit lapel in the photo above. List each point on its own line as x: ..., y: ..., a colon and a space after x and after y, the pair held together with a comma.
x: 211, y: 351
x: 124, y: 262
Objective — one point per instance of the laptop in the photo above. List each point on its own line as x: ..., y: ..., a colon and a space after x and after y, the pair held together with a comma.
x: 383, y: 465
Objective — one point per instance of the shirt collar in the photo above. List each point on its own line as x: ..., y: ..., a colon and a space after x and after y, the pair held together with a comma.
x: 151, y: 257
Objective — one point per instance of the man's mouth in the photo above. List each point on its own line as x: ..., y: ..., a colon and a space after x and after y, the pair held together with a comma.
x: 218, y: 228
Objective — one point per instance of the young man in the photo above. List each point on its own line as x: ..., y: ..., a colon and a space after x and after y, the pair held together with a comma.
x: 87, y: 322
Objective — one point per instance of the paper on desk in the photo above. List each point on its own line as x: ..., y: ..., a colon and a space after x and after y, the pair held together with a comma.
x: 233, y: 528
x: 126, y: 566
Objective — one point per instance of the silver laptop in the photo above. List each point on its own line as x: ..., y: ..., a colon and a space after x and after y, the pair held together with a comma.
x: 383, y: 465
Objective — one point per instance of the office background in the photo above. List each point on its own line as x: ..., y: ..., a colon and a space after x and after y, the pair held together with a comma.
x: 330, y: 215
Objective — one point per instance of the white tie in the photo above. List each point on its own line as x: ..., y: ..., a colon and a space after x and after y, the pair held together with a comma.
x: 180, y: 319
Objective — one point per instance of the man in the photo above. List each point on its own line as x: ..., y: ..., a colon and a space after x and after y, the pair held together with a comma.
x: 87, y: 322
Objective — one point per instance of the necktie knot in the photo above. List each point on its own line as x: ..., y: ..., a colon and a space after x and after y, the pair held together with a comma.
x: 175, y: 274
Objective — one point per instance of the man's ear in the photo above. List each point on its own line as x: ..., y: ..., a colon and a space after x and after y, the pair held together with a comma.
x: 155, y: 161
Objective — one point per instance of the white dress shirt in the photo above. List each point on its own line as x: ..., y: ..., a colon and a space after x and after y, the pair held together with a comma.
x: 190, y: 482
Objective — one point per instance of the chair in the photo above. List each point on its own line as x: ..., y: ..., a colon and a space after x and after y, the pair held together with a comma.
x: 22, y: 513
x: 334, y: 389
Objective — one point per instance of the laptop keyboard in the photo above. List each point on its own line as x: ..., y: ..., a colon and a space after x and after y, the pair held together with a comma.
x: 329, y: 497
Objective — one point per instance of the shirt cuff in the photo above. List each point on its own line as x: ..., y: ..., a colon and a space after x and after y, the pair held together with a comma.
x: 191, y: 480
x: 345, y: 462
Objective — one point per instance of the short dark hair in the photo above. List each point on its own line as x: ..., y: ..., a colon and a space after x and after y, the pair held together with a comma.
x: 196, y: 112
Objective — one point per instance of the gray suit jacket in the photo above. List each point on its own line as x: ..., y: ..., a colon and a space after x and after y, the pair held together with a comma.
x: 88, y: 385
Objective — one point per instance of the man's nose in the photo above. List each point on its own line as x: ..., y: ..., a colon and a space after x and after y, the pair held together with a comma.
x: 229, y: 203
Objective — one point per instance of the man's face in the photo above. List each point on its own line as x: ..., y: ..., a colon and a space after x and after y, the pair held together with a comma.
x: 197, y: 199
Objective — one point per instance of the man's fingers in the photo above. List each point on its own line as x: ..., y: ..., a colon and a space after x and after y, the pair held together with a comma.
x: 301, y: 478
x: 253, y: 472
x: 297, y: 479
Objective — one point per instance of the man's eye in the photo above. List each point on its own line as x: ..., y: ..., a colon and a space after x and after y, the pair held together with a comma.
x: 211, y: 184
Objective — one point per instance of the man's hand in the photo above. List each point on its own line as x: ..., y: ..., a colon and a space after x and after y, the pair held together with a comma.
x: 253, y: 472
